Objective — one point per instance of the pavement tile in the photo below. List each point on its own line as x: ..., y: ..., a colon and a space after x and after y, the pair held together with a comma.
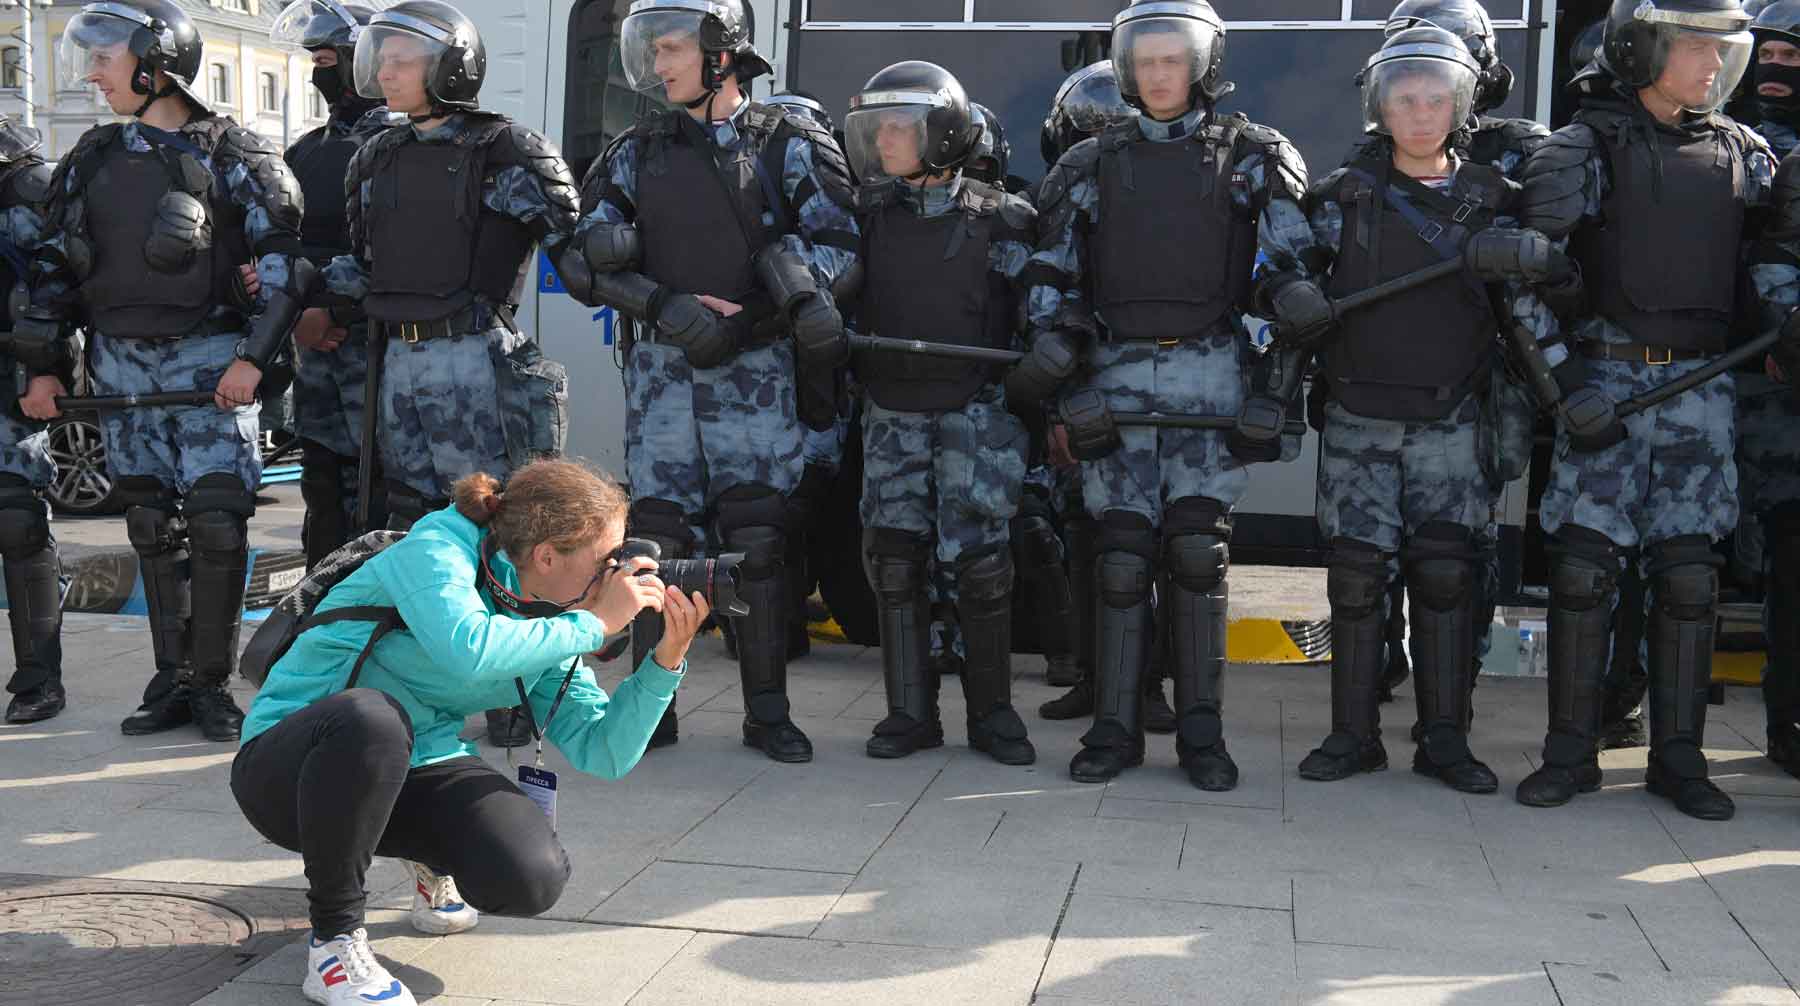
x: 547, y: 962
x: 738, y: 899
x: 1358, y: 976
x: 1139, y: 951
x: 1589, y: 986
x: 950, y: 901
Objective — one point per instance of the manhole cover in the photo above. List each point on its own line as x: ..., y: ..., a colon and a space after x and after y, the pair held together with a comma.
x: 122, y: 947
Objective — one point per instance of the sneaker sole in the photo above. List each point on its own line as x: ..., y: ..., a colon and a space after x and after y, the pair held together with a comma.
x: 432, y: 925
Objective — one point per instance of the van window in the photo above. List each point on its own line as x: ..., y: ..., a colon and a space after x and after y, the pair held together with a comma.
x: 598, y: 104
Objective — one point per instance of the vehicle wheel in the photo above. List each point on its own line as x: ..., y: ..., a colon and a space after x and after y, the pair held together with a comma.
x: 83, y: 486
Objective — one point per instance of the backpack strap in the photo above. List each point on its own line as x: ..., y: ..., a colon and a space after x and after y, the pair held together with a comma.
x: 386, y: 620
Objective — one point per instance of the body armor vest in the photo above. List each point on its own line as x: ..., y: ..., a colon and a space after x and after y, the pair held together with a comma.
x: 1663, y: 266
x: 1416, y: 355
x: 433, y: 244
x: 125, y: 297
x: 929, y: 278
x: 1173, y: 253
x: 320, y: 161
x: 703, y: 211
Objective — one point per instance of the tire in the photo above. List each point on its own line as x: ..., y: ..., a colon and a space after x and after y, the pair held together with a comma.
x: 83, y: 486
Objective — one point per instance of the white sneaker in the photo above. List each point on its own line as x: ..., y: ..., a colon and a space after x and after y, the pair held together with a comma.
x: 438, y: 907
x: 343, y: 971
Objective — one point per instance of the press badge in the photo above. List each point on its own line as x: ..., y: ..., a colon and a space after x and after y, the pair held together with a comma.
x: 540, y: 785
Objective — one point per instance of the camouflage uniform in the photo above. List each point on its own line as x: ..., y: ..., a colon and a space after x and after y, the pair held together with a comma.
x: 1670, y: 488
x: 187, y: 474
x: 1183, y: 482
x: 450, y: 405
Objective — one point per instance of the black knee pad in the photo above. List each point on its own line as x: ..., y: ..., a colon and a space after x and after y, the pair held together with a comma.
x: 984, y: 581
x: 659, y: 519
x: 894, y: 562
x: 222, y: 493
x: 1685, y: 571
x: 24, y: 527
x: 1039, y: 549
x: 1124, y: 531
x: 1197, y: 561
x: 218, y: 532
x: 1034, y: 501
x: 1440, y: 565
x: 764, y: 547
x: 752, y: 519
x: 1584, y: 571
x: 1357, y: 579
x: 144, y: 491
x: 1124, y: 579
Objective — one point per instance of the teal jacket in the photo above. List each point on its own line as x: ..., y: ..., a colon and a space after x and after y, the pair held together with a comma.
x: 457, y: 656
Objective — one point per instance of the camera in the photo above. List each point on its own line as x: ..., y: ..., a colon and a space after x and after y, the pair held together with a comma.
x: 715, y: 578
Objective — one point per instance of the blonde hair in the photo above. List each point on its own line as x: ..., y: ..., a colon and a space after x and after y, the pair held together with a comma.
x: 566, y: 504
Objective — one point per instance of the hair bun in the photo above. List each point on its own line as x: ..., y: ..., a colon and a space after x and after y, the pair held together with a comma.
x: 491, y: 503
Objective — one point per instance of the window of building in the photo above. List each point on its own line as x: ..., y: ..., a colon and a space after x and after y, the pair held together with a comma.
x: 12, y: 75
x: 238, y: 6
x: 270, y: 91
x: 315, y: 104
x: 219, y: 77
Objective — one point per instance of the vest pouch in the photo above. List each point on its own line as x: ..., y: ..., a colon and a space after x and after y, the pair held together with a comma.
x: 534, y: 402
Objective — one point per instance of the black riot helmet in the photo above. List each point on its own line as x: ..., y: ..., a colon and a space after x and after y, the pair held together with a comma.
x: 1086, y: 103
x: 1635, y: 45
x: 805, y: 106
x: 1422, y: 64
x: 156, y: 33
x: 1586, y: 47
x: 455, y: 58
x: 1777, y: 22
x: 718, y: 26
x: 919, y: 112
x: 989, y: 159
x: 1145, y: 28
x: 1469, y: 21
x: 312, y: 25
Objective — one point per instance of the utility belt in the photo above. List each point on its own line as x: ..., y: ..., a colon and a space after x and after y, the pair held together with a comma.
x: 467, y: 321
x: 1641, y: 352
x: 231, y: 323
x: 1219, y: 331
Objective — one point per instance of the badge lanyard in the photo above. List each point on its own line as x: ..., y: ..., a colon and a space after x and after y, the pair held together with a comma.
x: 538, y: 782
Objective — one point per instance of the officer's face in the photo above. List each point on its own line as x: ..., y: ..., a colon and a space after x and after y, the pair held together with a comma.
x: 897, y: 140
x: 109, y: 69
x: 1162, y: 63
x: 678, y: 64
x: 404, y: 60
x: 324, y: 58
x: 1417, y: 109
x: 1773, y: 53
x: 1694, y: 63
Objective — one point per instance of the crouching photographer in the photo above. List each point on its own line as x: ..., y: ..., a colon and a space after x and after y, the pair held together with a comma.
x: 352, y: 750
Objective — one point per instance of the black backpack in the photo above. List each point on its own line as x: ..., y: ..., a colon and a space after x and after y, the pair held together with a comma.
x: 294, y: 613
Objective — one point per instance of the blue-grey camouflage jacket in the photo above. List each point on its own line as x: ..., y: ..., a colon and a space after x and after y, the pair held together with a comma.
x: 1069, y: 206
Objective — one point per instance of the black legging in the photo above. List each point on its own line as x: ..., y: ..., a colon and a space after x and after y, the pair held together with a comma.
x: 331, y: 782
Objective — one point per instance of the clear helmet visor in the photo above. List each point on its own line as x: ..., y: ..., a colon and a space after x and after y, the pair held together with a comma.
x: 1700, y: 69
x: 93, y: 44
x: 660, y: 45
x: 1160, y: 59
x: 312, y: 24
x: 1416, y: 97
x: 1093, y: 103
x: 406, y: 59
x: 886, y: 142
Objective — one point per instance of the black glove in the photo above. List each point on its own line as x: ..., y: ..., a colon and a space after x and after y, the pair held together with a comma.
x: 1588, y: 413
x: 685, y: 323
x: 819, y: 337
x: 1038, y: 375
x: 1301, y: 308
x: 1498, y: 254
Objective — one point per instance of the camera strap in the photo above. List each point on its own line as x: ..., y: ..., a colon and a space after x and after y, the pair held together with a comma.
x: 537, y: 734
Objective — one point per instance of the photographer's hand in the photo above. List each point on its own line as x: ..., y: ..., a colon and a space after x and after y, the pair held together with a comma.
x: 682, y: 617
x: 623, y: 593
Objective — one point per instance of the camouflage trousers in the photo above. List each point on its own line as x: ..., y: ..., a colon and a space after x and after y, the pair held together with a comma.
x: 692, y: 434
x: 953, y: 477
x: 1202, y: 377
x: 175, y: 446
x: 441, y: 411
x: 1675, y: 474
x: 328, y: 394
x: 1381, y: 479
x: 25, y: 450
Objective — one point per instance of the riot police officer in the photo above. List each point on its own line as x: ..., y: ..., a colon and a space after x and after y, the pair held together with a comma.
x: 718, y: 228
x: 462, y: 389
x: 1768, y: 415
x: 1649, y: 164
x: 328, y: 380
x: 942, y: 457
x: 28, y: 549
x: 148, y: 222
x: 1149, y: 242
x: 1401, y: 481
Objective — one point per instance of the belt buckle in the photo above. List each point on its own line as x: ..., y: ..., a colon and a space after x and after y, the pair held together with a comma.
x: 1650, y: 357
x: 1165, y: 343
x: 411, y: 333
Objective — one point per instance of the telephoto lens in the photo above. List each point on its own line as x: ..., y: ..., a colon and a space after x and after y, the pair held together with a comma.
x: 714, y: 578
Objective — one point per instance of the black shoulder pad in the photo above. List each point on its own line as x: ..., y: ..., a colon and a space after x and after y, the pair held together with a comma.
x: 829, y: 162
x: 1017, y: 213
x: 1257, y: 133
x: 235, y: 139
x: 1078, y: 162
x: 29, y: 184
x: 1284, y: 170
x: 18, y: 142
x: 521, y: 146
x: 1784, y: 215
x: 612, y: 148
x: 1555, y: 180
x: 1327, y: 189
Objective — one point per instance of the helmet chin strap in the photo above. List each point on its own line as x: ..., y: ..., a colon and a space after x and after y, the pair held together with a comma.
x: 153, y: 98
